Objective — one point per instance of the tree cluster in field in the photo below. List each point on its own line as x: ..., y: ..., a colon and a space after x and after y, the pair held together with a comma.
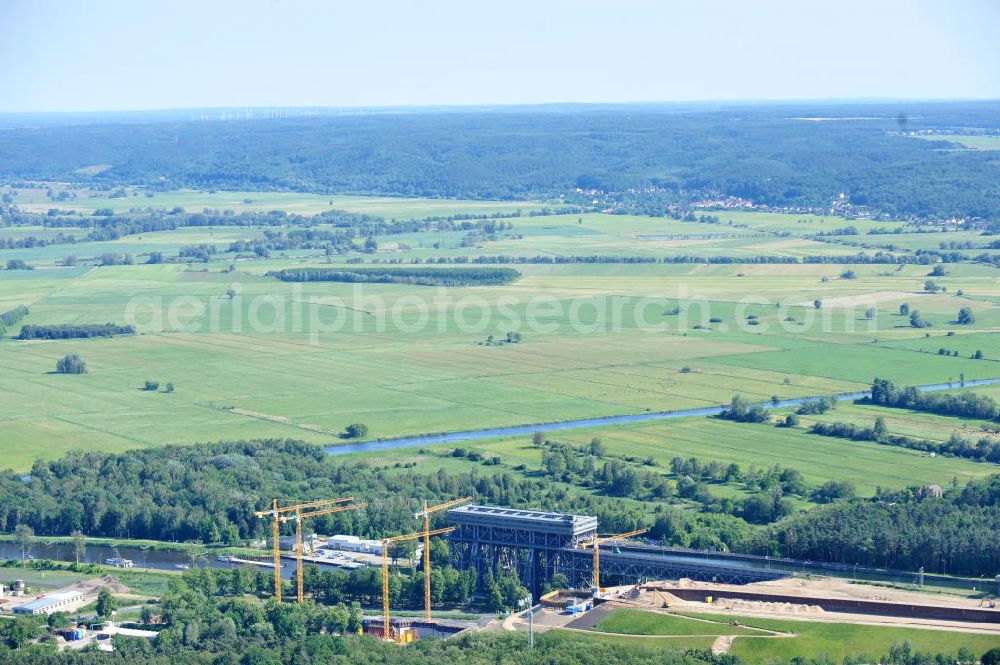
x: 341, y: 239
x: 418, y: 276
x: 348, y: 226
x: 152, y: 386
x: 71, y: 364
x: 18, y: 264
x: 109, y: 227
x: 115, y: 259
x: 964, y: 404
x: 590, y: 466
x: 74, y: 331
x: 356, y: 431
x: 983, y: 450
x: 742, y: 411
x: 512, y: 337
x: 818, y: 406
x: 12, y: 317
x: 200, y: 253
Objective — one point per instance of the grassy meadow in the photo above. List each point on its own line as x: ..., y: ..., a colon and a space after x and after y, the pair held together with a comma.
x: 88, y: 200
x: 794, y: 638
x: 304, y: 360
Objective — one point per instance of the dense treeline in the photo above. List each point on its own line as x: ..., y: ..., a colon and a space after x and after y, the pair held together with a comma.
x: 200, y: 493
x: 397, y: 275
x: 74, y: 331
x: 209, y: 492
x: 755, y: 153
x: 878, y: 258
x: 334, y: 587
x: 963, y: 404
x: 114, y: 227
x: 590, y: 466
x: 953, y: 534
x: 213, y: 618
x: 206, y: 629
x: 983, y: 450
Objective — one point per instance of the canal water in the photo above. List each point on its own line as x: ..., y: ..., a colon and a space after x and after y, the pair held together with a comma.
x: 175, y: 561
x: 520, y: 430
x: 150, y: 558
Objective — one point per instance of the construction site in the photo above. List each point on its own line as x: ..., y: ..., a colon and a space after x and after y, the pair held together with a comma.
x: 787, y: 600
x: 608, y: 572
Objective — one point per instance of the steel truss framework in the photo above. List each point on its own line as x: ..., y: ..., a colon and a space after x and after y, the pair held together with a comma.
x: 634, y: 567
x: 530, y: 542
x: 539, y: 545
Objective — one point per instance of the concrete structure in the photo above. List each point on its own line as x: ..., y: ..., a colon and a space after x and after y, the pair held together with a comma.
x: 539, y: 544
x: 533, y: 542
x: 50, y: 603
x: 346, y: 543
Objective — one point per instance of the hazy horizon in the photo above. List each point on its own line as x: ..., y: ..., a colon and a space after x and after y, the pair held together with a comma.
x: 693, y: 104
x: 119, y: 56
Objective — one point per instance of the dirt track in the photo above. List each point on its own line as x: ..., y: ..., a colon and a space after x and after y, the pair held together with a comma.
x: 727, y: 601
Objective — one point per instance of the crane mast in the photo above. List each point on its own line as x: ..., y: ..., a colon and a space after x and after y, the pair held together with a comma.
x: 596, y: 544
x: 425, y: 514
x: 276, y: 514
x: 386, y: 630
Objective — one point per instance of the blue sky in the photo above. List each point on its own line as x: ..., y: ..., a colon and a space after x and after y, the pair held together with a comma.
x: 58, y: 55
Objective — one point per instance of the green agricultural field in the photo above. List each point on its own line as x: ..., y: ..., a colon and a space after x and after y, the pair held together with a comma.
x: 868, y: 465
x: 972, y: 142
x: 837, y: 640
x: 637, y: 622
x: 304, y: 360
x: 292, y: 202
x: 792, y: 638
x: 651, y: 645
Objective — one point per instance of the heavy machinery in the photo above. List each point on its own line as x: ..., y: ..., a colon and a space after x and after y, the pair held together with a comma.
x: 596, y: 543
x: 275, y: 513
x: 425, y: 515
x: 298, y: 517
x: 386, y: 543
x: 664, y: 603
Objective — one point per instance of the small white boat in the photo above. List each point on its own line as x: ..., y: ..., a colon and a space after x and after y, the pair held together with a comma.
x: 117, y: 560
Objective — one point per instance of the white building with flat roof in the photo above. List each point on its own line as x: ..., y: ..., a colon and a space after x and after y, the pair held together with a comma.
x: 344, y: 543
x: 50, y: 603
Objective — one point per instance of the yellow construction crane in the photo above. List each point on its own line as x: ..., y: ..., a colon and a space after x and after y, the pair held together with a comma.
x: 425, y: 515
x: 275, y: 513
x: 298, y: 517
x: 596, y: 543
x: 386, y: 633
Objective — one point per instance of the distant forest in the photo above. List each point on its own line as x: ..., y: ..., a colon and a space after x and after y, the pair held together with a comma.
x: 772, y: 154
